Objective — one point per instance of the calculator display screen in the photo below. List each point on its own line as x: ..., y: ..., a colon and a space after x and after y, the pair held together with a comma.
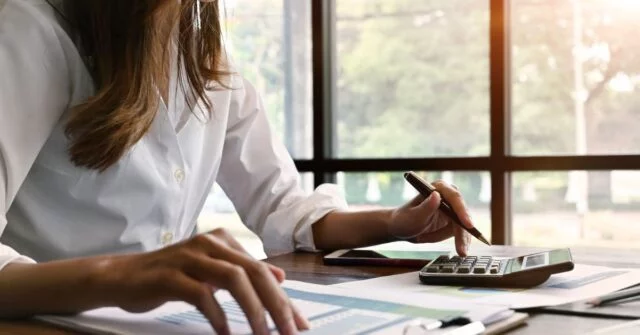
x: 539, y: 260
x: 533, y: 261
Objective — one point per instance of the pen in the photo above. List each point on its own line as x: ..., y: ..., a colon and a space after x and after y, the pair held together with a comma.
x: 466, y: 326
x: 616, y: 296
x: 426, y: 189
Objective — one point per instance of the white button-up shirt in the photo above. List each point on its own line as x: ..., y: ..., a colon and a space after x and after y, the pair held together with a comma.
x: 51, y: 209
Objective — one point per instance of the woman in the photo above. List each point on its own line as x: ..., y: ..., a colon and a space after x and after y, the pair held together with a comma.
x: 116, y: 118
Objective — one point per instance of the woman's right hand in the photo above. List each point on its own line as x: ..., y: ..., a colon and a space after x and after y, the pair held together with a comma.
x: 191, y: 271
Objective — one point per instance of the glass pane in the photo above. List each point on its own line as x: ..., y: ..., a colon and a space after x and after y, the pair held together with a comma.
x: 412, y: 76
x: 389, y: 189
x: 270, y: 43
x: 218, y: 212
x: 577, y: 208
x: 575, y: 77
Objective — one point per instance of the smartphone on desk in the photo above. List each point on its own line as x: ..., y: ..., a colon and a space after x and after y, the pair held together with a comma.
x: 374, y: 257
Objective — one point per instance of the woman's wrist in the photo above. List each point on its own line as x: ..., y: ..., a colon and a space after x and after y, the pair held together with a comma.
x: 103, y: 281
x: 60, y: 287
x: 345, y: 230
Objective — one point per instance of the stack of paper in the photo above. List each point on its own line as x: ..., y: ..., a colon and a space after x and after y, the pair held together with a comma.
x: 584, y: 282
x: 330, y: 310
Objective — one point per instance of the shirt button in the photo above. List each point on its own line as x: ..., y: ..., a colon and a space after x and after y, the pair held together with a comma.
x: 167, y: 238
x: 179, y: 175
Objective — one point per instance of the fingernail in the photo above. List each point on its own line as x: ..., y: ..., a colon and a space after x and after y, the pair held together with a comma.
x: 301, y: 322
x: 305, y: 324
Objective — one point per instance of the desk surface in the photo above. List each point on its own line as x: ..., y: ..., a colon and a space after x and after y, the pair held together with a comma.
x: 309, y: 268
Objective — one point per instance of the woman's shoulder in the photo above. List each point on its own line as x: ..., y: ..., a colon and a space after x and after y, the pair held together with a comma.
x: 32, y: 24
x: 34, y: 42
x: 30, y: 15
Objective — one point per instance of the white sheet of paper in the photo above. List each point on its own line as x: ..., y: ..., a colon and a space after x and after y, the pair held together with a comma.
x: 584, y: 282
x: 331, y: 310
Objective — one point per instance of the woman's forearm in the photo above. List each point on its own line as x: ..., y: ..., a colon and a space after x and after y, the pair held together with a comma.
x: 61, y: 287
x: 344, y: 230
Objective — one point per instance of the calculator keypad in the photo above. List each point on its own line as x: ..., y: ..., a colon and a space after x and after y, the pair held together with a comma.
x: 465, y: 265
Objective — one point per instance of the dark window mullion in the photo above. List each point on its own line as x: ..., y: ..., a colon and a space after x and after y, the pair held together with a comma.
x: 499, y: 57
x: 323, y: 59
x: 508, y: 164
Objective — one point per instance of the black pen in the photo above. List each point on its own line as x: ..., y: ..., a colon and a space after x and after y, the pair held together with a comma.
x: 615, y: 297
x: 426, y: 189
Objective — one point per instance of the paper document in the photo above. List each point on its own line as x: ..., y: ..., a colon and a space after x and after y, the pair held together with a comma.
x: 330, y: 310
x: 584, y: 282
x: 624, y: 328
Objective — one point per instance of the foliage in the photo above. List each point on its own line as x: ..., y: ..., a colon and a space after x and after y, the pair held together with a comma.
x: 413, y: 76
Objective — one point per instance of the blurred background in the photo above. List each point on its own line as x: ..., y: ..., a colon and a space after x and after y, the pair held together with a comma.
x: 412, y: 79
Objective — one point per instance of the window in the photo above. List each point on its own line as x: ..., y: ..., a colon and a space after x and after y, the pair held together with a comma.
x: 269, y: 42
x: 531, y: 107
x: 575, y: 77
x: 411, y: 77
x: 575, y: 81
x: 553, y: 208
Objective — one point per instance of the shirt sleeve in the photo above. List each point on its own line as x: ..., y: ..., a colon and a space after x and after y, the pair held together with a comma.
x: 34, y: 92
x: 260, y: 178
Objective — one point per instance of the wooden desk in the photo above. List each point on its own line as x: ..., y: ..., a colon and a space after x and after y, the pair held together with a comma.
x: 309, y: 268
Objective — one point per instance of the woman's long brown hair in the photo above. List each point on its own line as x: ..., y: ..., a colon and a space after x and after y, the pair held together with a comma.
x: 126, y: 45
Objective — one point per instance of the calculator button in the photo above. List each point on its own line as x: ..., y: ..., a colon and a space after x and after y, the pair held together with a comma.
x: 479, y: 270
x: 494, y: 270
x: 455, y: 259
x: 464, y: 269
x: 441, y: 260
x: 433, y: 269
x: 447, y: 268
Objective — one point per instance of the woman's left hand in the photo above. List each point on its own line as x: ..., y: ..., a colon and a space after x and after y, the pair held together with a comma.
x: 420, y: 220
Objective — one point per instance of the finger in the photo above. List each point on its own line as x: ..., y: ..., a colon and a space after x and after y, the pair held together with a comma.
x: 273, y: 297
x: 198, y: 295
x: 418, y: 219
x: 219, y: 323
x: 462, y: 240
x: 429, y: 205
x: 428, y: 215
x: 430, y: 209
x: 232, y: 242
x: 278, y: 272
x: 436, y: 236
x: 224, y: 235
x: 233, y: 278
x: 454, y: 198
x: 301, y: 322
x: 261, y: 282
x: 417, y: 200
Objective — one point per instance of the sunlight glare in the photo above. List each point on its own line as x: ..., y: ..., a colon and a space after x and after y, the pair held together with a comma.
x: 627, y: 4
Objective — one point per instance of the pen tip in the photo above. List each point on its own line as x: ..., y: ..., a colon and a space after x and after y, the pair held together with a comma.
x: 484, y: 240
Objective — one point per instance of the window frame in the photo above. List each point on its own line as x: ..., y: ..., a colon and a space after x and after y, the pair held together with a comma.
x: 500, y: 162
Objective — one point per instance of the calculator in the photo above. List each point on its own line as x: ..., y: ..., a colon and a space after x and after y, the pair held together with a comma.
x: 487, y: 271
